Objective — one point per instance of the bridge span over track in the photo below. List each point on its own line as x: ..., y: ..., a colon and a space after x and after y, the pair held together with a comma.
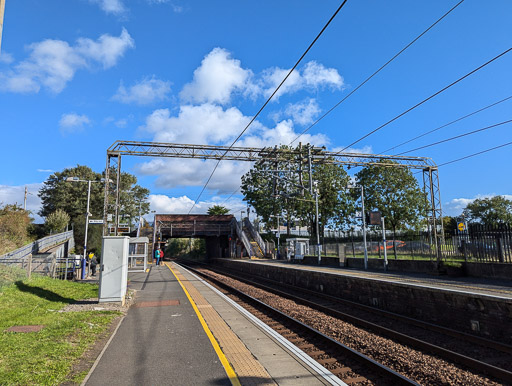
x: 219, y: 231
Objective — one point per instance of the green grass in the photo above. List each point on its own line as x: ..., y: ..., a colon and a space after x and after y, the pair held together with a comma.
x: 46, y: 357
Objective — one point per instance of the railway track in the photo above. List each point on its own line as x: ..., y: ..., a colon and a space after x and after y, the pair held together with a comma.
x: 347, y: 364
x: 421, y: 339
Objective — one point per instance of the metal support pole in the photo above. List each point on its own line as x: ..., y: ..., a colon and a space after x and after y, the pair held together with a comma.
x: 2, y: 9
x: 105, y: 203
x: 118, y: 193
x: 86, y: 228
x: 319, y: 253
x: 384, y: 244
x: 364, y: 229
x: 434, y: 222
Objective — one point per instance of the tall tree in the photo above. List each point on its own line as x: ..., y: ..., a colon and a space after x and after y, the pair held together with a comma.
x: 490, y: 211
x: 395, y: 193
x: 71, y: 197
x: 217, y: 210
x: 273, y: 187
x: 57, y: 221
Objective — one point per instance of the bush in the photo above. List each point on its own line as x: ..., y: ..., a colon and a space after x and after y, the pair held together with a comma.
x: 14, y: 228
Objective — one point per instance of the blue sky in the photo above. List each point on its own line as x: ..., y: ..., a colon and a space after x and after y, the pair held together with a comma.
x: 77, y: 75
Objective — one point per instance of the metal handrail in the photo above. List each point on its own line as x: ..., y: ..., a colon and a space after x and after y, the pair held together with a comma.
x: 38, y: 245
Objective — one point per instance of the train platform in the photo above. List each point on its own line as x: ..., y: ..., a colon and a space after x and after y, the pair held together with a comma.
x: 182, y: 331
x: 478, y: 286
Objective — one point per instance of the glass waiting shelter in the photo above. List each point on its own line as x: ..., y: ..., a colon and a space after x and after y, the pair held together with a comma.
x: 138, y: 254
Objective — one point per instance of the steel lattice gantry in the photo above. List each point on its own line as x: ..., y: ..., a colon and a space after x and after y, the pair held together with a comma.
x: 317, y: 155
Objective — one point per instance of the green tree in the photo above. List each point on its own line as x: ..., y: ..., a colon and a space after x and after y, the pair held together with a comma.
x: 273, y: 187
x: 395, y: 193
x: 14, y: 228
x: 449, y: 224
x: 57, y: 221
x: 490, y: 211
x: 71, y: 197
x: 217, y: 210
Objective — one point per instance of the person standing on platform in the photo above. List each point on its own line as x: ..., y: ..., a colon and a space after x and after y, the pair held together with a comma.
x: 92, y: 263
x: 161, y: 255
x: 157, y: 256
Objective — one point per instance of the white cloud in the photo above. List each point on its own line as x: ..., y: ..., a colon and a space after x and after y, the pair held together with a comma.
x: 457, y: 205
x: 148, y: 90
x: 216, y: 79
x: 202, y: 124
x: 72, y: 122
x: 15, y: 195
x: 303, y: 113
x: 45, y: 170
x: 53, y: 63
x: 163, y: 204
x: 313, y: 76
x: 115, y: 7
x: 6, y: 58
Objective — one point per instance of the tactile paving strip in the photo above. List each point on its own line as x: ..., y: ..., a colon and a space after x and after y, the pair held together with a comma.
x: 246, y: 366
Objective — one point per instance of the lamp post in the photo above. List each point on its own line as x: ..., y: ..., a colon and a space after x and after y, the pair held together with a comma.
x: 87, y: 214
x: 364, y: 222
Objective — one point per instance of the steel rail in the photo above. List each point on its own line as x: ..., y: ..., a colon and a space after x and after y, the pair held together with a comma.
x: 497, y: 372
x: 395, y: 376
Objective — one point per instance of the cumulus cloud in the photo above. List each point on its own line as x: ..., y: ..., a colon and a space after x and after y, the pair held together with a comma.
x: 216, y: 79
x: 146, y: 91
x: 115, y: 7
x: 202, y: 124
x: 303, y: 113
x: 163, y: 204
x: 312, y: 76
x: 70, y: 123
x: 362, y: 150
x: 12, y: 194
x: 6, y: 58
x: 53, y: 63
x: 455, y: 206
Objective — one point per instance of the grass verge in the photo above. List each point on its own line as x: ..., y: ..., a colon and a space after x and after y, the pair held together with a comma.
x: 46, y: 357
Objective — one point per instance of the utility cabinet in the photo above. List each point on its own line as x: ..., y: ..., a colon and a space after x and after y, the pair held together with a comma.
x: 114, y: 269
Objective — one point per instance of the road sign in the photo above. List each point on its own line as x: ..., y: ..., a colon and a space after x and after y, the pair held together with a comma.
x: 120, y: 230
x: 95, y: 221
x: 461, y: 226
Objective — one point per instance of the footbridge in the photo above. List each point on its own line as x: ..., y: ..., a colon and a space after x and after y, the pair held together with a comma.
x: 224, y: 236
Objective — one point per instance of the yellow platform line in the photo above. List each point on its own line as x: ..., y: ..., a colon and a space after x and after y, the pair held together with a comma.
x: 225, y: 363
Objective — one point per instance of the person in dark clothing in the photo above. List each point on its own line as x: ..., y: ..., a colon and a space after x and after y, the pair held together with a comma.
x: 161, y: 256
x: 92, y: 263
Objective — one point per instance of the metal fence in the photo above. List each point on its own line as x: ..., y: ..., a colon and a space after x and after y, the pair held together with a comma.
x: 32, y: 260
x: 478, y: 244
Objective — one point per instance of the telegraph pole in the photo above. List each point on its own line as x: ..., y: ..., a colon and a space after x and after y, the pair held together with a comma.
x: 2, y: 9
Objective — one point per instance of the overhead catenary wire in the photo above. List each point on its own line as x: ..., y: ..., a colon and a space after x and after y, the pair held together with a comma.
x: 447, y: 124
x: 475, y: 154
x: 426, y: 99
x: 456, y: 137
x: 376, y: 72
x: 268, y: 100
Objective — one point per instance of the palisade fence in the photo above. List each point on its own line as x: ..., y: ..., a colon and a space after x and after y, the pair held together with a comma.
x: 34, y: 259
x: 478, y: 243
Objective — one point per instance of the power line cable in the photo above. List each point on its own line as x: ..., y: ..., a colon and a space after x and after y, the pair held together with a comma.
x: 376, y: 72
x: 426, y: 99
x: 475, y: 154
x: 456, y: 137
x: 268, y: 100
x: 447, y: 124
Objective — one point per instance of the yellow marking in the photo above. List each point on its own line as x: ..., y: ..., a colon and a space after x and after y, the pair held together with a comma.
x: 147, y: 269
x: 227, y: 367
